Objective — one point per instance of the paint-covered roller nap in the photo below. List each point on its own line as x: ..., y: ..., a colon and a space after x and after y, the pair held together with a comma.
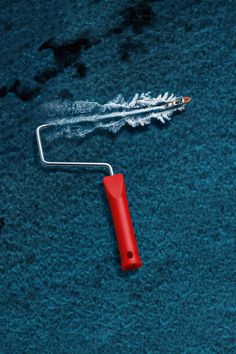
x: 80, y: 118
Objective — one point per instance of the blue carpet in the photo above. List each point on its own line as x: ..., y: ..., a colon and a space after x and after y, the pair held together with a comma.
x: 62, y: 290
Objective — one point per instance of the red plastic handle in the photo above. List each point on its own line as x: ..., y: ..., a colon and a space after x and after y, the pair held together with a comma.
x: 116, y: 195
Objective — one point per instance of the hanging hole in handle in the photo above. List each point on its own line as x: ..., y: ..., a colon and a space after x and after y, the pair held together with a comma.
x: 130, y: 254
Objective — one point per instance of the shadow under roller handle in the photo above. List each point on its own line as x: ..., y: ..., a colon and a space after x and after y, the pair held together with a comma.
x: 117, y: 198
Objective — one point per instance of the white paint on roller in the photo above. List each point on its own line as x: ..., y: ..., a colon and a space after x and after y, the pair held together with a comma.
x: 80, y: 118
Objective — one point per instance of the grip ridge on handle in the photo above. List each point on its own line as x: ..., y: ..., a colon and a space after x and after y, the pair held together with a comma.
x: 117, y: 198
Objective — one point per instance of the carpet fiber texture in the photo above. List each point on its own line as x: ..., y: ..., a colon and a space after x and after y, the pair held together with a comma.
x: 61, y: 287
